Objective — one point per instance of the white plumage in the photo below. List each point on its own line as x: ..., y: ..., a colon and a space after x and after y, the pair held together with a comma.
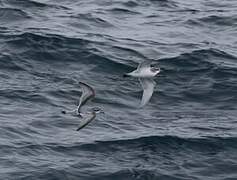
x: 145, y: 72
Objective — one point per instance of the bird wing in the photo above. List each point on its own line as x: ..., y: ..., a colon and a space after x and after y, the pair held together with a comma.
x: 87, y: 94
x: 148, y: 88
x: 144, y: 64
x: 86, y: 120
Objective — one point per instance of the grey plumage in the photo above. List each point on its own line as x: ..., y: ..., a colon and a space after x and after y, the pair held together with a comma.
x: 88, y: 93
x: 90, y: 117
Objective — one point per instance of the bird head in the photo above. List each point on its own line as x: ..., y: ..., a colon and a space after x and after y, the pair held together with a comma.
x: 97, y: 110
x: 155, y: 69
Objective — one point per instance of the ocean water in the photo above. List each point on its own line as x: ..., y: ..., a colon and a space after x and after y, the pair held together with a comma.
x: 188, y: 131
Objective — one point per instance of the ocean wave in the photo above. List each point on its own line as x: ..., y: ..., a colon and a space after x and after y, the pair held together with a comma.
x: 139, y: 158
x: 7, y: 62
x: 219, y: 21
x: 155, y: 143
x: 55, y: 48
x: 12, y: 15
x: 151, y: 143
x: 130, y: 4
x: 45, y: 47
x: 122, y: 11
x: 89, y: 21
x: 165, y: 3
x: 26, y: 3
x: 26, y: 95
x: 202, y: 77
x: 31, y: 4
x: 186, y: 131
x: 52, y: 40
x: 158, y: 3
x: 202, y: 61
x: 135, y: 173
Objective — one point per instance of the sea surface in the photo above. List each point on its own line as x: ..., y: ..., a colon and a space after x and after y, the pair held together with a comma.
x: 188, y: 130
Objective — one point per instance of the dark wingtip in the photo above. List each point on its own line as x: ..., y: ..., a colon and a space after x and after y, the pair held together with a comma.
x: 81, y: 83
x: 64, y: 112
x: 125, y: 75
x: 79, y: 128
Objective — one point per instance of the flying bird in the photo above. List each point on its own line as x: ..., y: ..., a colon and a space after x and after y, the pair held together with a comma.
x: 88, y: 93
x: 145, y: 72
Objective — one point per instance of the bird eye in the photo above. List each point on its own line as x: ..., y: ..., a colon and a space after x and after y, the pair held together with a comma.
x: 96, y: 109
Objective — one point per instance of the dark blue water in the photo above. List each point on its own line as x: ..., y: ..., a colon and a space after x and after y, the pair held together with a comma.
x: 188, y: 131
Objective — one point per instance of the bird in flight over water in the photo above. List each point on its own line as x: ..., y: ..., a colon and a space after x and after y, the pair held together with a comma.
x: 145, y: 72
x: 88, y: 93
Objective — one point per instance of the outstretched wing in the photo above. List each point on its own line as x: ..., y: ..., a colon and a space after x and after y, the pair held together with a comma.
x: 87, y: 94
x: 144, y: 65
x: 86, y: 120
x: 148, y: 88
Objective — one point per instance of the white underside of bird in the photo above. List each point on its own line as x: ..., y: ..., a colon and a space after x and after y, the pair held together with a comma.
x: 145, y: 72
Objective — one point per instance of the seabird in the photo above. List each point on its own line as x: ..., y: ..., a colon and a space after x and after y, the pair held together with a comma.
x: 145, y: 72
x: 88, y: 93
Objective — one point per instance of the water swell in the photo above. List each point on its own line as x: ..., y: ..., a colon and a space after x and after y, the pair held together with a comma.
x: 186, y: 131
x: 214, y: 20
x: 211, y: 62
x: 45, y: 47
x: 157, y: 3
x: 201, y: 76
x: 122, y: 11
x: 12, y: 15
x: 88, y: 21
x: 44, y: 40
x: 31, y: 4
x: 201, y: 73
x: 153, y: 148
x: 55, y: 48
x: 154, y: 143
x: 195, y: 58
